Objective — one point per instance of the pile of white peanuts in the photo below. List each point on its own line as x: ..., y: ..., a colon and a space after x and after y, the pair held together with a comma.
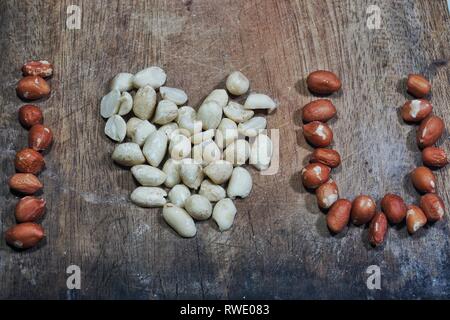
x: 185, y: 159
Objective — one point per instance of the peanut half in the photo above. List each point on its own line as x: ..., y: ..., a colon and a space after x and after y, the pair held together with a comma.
x: 240, y: 184
x: 237, y: 83
x: 149, y: 197
x: 198, y: 207
x: 223, y: 214
x: 179, y: 220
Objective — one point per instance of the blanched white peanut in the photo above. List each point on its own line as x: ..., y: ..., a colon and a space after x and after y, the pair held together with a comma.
x: 202, y: 136
x: 149, y: 197
x: 260, y: 101
x: 173, y: 94
x: 155, y: 147
x: 212, y: 192
x: 252, y: 127
x: 240, y: 184
x: 218, y: 95
x: 142, y: 131
x: 179, y: 147
x: 237, y: 113
x: 179, y: 194
x: 179, y: 220
x: 237, y: 152
x: 126, y: 103
x: 169, y: 128
x: 131, y: 126
x: 128, y: 154
x: 116, y: 128
x: 237, y: 83
x: 261, y: 152
x: 206, y: 152
x: 186, y: 118
x: 211, y: 152
x: 226, y: 133
x: 198, y: 207
x: 191, y: 173
x: 109, y: 105
x: 219, y: 171
x: 148, y: 176
x: 172, y: 170
x: 144, y: 103
x: 122, y: 81
x: 154, y: 77
x: 166, y: 111
x: 210, y: 114
x: 224, y: 213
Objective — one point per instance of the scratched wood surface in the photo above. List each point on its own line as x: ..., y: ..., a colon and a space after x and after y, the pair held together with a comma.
x: 279, y: 246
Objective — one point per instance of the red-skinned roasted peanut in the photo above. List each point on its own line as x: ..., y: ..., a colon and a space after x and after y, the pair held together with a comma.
x: 40, y: 68
x: 423, y: 180
x: 434, y: 157
x: 328, y: 157
x: 323, y: 82
x: 29, y: 115
x: 394, y: 207
x: 430, y: 130
x: 416, y: 110
x: 29, y: 209
x: 315, y: 174
x: 363, y: 209
x: 378, y: 229
x: 318, y: 110
x: 40, y: 137
x: 327, y: 194
x: 339, y: 215
x: 26, y: 183
x: 318, y: 134
x: 29, y: 161
x: 418, y: 86
x: 25, y: 235
x: 433, y: 206
x: 32, y: 88
x: 415, y: 219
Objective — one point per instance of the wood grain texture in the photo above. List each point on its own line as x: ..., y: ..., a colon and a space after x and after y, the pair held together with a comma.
x: 279, y: 246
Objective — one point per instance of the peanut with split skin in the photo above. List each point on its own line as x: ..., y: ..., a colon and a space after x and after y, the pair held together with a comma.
x: 378, y: 229
x: 32, y: 88
x: 30, y: 115
x: 327, y: 194
x: 315, y: 174
x: 415, y: 218
x: 318, y: 134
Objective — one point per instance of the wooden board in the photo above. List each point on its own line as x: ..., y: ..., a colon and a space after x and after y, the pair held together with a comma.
x: 279, y: 246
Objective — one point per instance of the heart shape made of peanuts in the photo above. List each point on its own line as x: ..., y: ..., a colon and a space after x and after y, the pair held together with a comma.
x: 189, y: 162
